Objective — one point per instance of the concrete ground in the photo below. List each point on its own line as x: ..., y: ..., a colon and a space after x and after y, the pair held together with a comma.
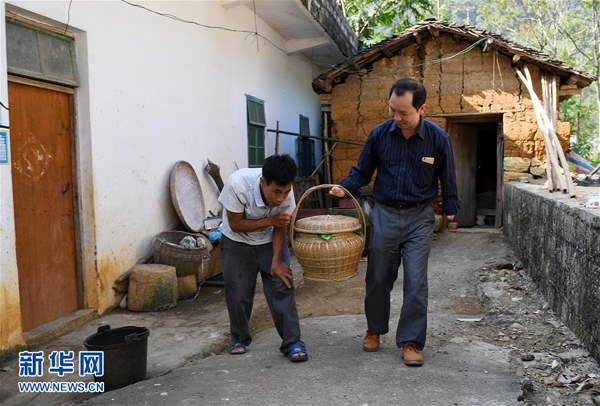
x: 484, y: 315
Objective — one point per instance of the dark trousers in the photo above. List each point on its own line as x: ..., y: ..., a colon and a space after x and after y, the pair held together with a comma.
x: 399, y: 236
x: 240, y: 264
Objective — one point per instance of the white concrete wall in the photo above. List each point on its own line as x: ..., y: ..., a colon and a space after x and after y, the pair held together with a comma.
x: 10, y: 310
x: 157, y: 91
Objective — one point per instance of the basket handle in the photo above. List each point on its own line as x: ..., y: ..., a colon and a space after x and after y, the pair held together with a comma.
x: 326, y: 186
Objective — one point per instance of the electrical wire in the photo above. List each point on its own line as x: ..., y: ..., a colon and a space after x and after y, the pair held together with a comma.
x: 255, y: 24
x: 372, y: 72
x: 2, y: 104
x: 212, y: 27
x: 68, y: 17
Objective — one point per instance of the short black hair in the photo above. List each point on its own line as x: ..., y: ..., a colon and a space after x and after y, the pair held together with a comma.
x: 280, y: 169
x: 410, y: 85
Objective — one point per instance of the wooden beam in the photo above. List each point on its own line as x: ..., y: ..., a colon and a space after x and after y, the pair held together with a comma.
x: 488, y: 45
x: 325, y: 101
x: 324, y: 86
x: 435, y: 33
x: 572, y: 80
x: 566, y: 87
x: 477, y: 114
x: 314, y: 137
x: 516, y: 58
x: 355, y: 66
x: 387, y: 52
x: 568, y: 92
x: 418, y: 39
x: 40, y: 84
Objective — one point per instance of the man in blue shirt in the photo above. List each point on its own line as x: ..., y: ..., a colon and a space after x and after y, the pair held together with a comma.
x: 410, y: 155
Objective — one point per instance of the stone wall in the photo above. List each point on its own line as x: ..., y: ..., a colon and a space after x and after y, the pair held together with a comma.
x: 558, y: 243
x: 464, y: 84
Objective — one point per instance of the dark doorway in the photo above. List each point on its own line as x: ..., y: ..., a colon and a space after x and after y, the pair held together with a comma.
x: 486, y: 179
x: 477, y: 146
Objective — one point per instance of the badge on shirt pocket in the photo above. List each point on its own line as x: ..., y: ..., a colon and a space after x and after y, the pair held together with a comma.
x: 428, y: 160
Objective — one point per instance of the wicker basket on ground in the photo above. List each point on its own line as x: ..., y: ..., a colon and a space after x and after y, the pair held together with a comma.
x: 166, y: 250
x: 328, y: 247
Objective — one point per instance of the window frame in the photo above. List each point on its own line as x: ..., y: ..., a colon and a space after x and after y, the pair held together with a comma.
x: 44, y: 76
x: 255, y: 128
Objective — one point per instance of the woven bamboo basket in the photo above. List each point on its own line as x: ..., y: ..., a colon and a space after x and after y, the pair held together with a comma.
x: 335, y: 259
x: 166, y: 250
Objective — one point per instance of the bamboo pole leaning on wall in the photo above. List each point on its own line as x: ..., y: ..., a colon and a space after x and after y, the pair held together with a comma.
x: 552, y: 112
x: 548, y: 128
x: 553, y: 182
x: 551, y: 160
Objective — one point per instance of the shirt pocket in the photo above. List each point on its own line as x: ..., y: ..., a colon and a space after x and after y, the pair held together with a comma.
x: 424, y: 174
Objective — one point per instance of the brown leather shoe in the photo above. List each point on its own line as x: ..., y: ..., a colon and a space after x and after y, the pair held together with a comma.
x: 371, y: 341
x: 411, y: 355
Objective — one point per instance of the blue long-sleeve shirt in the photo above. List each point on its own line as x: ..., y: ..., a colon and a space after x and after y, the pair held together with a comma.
x: 407, y: 169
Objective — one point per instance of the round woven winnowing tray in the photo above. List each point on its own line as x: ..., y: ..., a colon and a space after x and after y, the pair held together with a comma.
x: 187, y: 196
x: 327, y: 224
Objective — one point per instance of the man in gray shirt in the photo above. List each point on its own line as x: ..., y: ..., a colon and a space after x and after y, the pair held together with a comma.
x: 258, y: 205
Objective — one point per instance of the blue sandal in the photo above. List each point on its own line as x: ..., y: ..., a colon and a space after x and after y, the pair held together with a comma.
x: 233, y: 346
x: 297, y: 349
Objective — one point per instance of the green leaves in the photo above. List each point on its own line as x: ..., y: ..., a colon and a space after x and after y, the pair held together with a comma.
x: 565, y: 29
x: 373, y: 21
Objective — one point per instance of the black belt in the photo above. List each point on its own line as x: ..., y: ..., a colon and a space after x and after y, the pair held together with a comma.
x: 402, y: 205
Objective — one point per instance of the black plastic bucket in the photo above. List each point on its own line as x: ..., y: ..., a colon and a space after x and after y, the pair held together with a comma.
x: 125, y: 354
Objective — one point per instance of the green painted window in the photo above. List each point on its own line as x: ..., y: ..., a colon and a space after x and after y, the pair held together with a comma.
x: 256, y: 131
x: 305, y: 149
x: 40, y: 54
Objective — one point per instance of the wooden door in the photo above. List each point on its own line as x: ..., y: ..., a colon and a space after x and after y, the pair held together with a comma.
x: 43, y: 203
x: 464, y: 142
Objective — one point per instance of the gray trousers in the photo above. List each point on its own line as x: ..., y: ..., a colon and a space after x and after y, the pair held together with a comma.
x: 240, y: 264
x: 399, y: 236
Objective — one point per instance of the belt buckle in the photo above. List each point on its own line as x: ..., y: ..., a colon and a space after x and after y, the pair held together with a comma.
x: 407, y: 205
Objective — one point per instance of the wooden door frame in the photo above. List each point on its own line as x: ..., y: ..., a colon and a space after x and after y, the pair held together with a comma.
x: 499, y: 173
x: 498, y: 118
x: 77, y: 214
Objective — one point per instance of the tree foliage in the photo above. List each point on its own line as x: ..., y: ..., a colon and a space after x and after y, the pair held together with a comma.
x: 373, y: 21
x: 565, y: 29
x: 568, y: 30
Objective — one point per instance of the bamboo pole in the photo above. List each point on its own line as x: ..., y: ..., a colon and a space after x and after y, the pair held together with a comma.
x: 557, y: 179
x: 323, y: 160
x: 315, y: 137
x: 552, y: 181
x: 566, y: 182
x: 554, y: 184
x: 551, y: 107
x: 553, y: 166
x: 326, y: 147
x: 561, y: 155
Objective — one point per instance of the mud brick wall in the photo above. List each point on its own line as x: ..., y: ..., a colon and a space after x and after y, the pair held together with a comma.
x: 558, y: 243
x: 465, y: 84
